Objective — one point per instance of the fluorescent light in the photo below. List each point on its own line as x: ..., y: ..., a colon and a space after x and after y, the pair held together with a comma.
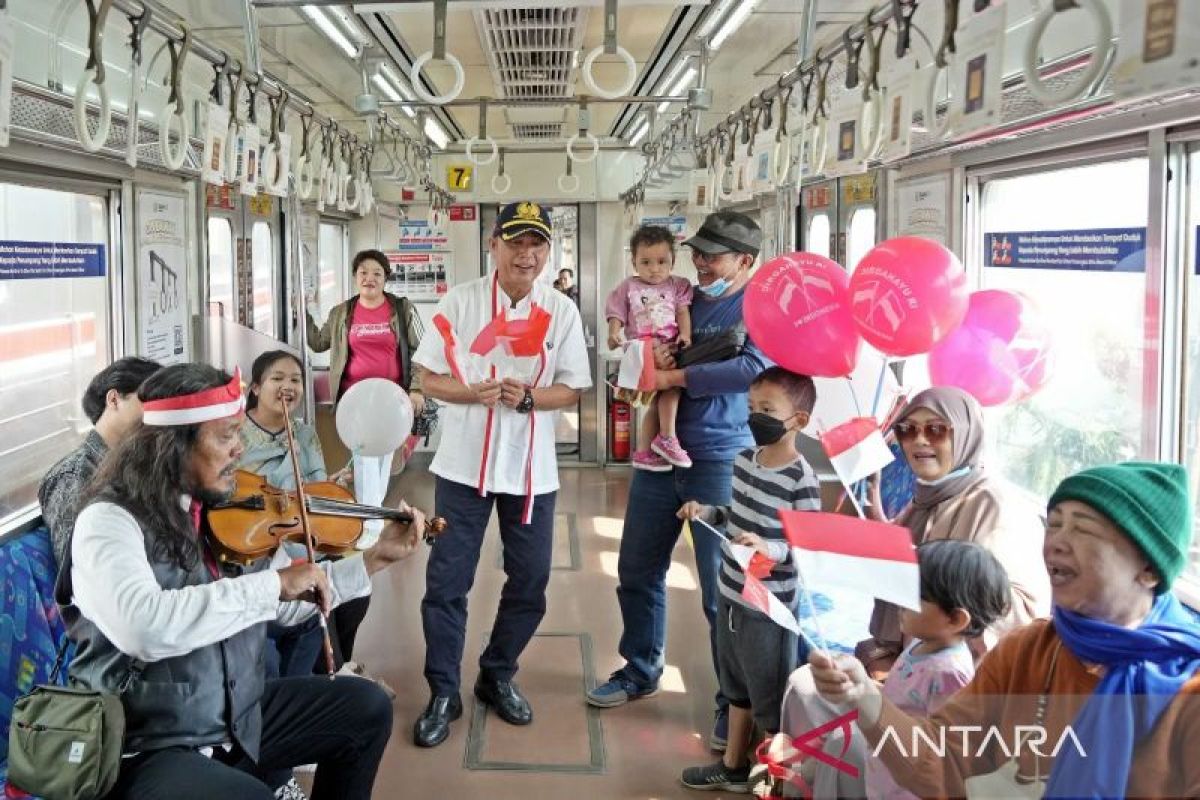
x: 714, y: 16
x: 398, y: 87
x: 332, y: 32
x: 349, y: 24
x: 639, y: 134
x: 388, y: 90
x: 435, y: 132
x: 731, y: 24
x: 684, y: 81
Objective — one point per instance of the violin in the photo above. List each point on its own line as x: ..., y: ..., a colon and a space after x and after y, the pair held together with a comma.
x: 259, y: 517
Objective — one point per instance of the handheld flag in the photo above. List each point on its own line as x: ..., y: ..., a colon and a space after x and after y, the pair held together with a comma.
x: 856, y: 449
x: 875, y: 557
x: 450, y: 348
x: 636, y: 372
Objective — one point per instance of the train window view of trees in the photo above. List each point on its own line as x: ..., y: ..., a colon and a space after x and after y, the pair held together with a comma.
x: 1091, y: 411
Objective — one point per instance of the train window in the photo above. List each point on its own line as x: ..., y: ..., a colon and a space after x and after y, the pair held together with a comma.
x: 817, y: 238
x: 1075, y: 246
x: 220, y: 267
x: 861, y: 237
x: 263, y: 269
x: 1191, y: 374
x: 54, y: 336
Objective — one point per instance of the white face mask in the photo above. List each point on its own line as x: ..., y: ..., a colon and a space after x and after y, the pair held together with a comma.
x: 958, y: 473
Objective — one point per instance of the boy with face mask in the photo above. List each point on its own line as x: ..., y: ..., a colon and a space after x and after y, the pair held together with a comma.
x: 754, y: 654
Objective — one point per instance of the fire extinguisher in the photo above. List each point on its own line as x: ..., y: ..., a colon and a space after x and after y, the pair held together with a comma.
x: 619, y: 413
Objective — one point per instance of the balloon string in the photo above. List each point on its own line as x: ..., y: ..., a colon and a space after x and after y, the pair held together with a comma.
x: 879, y: 388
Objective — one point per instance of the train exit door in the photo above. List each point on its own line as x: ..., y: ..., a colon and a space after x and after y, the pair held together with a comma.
x: 838, y: 218
x: 246, y: 282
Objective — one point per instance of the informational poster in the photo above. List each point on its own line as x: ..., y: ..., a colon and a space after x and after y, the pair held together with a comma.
x: 1156, y: 51
x: 420, y: 234
x: 31, y: 260
x: 162, y: 276
x: 676, y: 225
x: 310, y: 228
x: 1094, y: 250
x: 463, y: 212
x: 976, y: 72
x: 897, y: 113
x: 923, y: 208
x: 418, y: 276
x: 847, y: 146
x: 6, y: 74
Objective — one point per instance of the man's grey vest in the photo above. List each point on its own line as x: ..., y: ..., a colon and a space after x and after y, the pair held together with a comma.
x: 207, y: 697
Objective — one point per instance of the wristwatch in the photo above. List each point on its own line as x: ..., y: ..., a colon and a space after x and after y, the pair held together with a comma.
x: 526, y: 404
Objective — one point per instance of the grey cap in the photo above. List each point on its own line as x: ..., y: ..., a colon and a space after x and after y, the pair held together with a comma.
x: 727, y: 231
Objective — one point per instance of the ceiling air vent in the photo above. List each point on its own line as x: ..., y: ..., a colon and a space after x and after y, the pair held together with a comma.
x: 532, y: 51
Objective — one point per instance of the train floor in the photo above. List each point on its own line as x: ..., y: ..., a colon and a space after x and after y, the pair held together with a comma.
x: 634, y: 751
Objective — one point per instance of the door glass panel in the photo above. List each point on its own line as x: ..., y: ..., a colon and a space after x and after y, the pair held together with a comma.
x: 1191, y: 374
x: 263, y: 269
x: 1092, y: 294
x: 333, y: 265
x: 220, y: 268
x: 54, y: 336
x: 861, y: 236
x: 817, y: 238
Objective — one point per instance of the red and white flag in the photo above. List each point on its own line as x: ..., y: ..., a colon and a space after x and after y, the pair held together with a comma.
x: 874, y: 557
x: 856, y: 449
x: 636, y: 372
x: 756, y: 566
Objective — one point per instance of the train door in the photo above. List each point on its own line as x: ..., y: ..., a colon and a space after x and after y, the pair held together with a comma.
x: 1188, y: 355
x: 818, y: 219
x: 60, y: 322
x: 246, y: 281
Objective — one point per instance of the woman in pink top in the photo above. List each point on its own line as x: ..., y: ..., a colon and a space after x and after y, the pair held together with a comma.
x: 371, y: 335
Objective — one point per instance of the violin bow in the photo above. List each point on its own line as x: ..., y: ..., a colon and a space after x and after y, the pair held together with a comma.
x: 304, y: 526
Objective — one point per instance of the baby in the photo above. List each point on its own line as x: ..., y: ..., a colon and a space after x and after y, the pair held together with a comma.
x: 654, y: 303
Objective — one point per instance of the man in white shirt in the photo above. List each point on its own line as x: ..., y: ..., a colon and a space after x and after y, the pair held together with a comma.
x: 180, y: 639
x: 507, y: 355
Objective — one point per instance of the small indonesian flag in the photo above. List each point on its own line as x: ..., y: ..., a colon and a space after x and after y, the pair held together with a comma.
x: 875, y: 557
x: 192, y: 409
x: 637, y: 366
x: 520, y: 338
x: 756, y: 567
x: 856, y: 449
x: 450, y: 348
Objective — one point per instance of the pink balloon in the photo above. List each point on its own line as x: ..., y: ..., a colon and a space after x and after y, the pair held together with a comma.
x: 797, y: 309
x: 1001, y: 353
x: 908, y: 293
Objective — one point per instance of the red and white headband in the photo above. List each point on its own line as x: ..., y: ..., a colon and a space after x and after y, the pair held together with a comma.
x: 191, y: 409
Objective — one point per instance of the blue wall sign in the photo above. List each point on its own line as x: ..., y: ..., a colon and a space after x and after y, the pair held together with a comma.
x: 25, y: 260
x: 1093, y: 250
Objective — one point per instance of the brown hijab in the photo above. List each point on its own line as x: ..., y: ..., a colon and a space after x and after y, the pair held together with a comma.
x: 965, y: 416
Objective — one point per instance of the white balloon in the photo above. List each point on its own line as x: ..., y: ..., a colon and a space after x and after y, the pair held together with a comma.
x: 374, y: 417
x: 841, y: 399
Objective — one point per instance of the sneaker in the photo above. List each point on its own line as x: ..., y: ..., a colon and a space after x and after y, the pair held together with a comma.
x: 650, y: 461
x: 669, y: 448
x: 619, y: 690
x: 714, y: 777
x: 720, y: 732
x: 290, y: 791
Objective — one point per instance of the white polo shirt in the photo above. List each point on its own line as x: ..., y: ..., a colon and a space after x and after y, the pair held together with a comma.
x: 500, y: 450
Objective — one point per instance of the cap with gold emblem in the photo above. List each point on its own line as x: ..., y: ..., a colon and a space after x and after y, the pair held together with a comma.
x: 515, y: 219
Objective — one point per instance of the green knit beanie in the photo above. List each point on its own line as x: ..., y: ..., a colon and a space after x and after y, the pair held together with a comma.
x: 1148, y: 501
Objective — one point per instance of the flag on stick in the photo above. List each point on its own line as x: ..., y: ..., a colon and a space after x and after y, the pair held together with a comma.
x: 856, y: 449
x: 877, y: 557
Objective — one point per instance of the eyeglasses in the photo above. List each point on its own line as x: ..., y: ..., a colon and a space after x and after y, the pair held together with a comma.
x: 935, y: 432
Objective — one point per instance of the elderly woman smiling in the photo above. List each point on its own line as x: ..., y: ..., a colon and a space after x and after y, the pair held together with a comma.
x: 1107, y: 693
x: 941, y: 434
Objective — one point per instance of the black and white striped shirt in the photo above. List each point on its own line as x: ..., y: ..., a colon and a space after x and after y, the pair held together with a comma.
x: 758, y: 494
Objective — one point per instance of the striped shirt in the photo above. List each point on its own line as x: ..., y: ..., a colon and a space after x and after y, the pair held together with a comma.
x: 758, y: 494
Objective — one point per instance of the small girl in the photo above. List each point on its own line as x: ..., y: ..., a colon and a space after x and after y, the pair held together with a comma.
x: 653, y: 303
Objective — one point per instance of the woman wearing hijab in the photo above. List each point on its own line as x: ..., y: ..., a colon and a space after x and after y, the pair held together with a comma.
x: 1105, y: 695
x: 941, y: 434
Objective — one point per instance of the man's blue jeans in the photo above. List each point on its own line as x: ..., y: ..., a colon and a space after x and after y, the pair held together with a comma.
x: 651, y: 530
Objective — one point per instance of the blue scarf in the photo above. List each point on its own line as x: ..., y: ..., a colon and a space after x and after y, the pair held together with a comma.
x: 1145, y: 669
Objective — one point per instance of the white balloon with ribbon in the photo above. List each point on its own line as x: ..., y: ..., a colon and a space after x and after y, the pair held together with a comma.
x: 374, y: 417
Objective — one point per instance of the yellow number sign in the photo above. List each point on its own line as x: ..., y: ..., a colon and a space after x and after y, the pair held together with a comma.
x: 458, y: 177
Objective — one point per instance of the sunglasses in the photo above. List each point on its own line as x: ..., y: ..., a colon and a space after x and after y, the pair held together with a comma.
x: 935, y: 432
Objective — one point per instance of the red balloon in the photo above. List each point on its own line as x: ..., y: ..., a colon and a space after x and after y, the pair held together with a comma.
x: 1001, y: 353
x: 908, y: 293
x: 797, y: 309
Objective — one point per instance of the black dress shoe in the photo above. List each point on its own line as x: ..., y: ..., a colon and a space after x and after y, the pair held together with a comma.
x: 433, y: 726
x: 506, y: 698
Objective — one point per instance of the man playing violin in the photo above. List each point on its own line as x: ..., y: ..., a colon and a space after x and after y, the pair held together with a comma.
x: 180, y: 639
